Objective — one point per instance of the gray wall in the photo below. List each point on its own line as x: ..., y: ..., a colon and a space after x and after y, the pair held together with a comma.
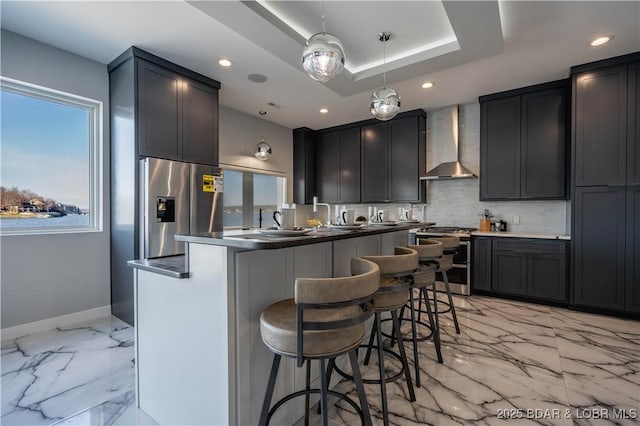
x: 239, y: 135
x: 456, y: 202
x: 45, y: 276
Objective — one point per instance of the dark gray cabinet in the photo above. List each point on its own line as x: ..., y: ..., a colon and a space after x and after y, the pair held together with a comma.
x: 407, y: 158
x: 500, y: 149
x: 606, y: 169
x: 177, y: 115
x: 523, y: 143
x: 393, y: 155
x: 632, y: 285
x: 481, y: 252
x: 199, y: 123
x: 157, y: 109
x: 534, y: 269
x: 367, y: 161
x: 509, y: 272
x: 159, y: 98
x: 547, y: 275
x: 375, y: 158
x: 633, y: 124
x: 338, y: 166
x: 599, y: 247
x: 304, y: 165
x: 600, y: 131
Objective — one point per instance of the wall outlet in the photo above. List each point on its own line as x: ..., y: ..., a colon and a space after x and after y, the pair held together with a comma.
x: 516, y: 220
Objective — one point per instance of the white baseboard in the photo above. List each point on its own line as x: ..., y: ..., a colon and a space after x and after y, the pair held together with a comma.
x: 10, y: 333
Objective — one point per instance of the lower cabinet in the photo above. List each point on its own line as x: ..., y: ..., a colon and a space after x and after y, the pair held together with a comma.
x: 481, y: 261
x: 632, y: 299
x: 530, y: 268
x: 509, y: 272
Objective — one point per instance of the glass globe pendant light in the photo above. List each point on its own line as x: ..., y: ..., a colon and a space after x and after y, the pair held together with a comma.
x: 263, y: 150
x: 323, y: 55
x: 385, y: 102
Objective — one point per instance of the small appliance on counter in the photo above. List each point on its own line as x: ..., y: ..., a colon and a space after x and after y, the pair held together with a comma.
x: 499, y: 226
x: 177, y: 198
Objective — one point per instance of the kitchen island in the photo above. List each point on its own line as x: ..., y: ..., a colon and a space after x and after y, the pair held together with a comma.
x: 199, y: 355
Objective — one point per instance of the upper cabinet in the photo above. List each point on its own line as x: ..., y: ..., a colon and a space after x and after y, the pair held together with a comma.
x: 176, y: 110
x: 304, y: 165
x: 600, y: 102
x: 393, y: 155
x: 523, y: 143
x: 367, y: 161
x: 338, y: 166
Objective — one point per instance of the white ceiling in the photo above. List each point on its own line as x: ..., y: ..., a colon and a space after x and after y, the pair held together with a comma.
x: 467, y: 48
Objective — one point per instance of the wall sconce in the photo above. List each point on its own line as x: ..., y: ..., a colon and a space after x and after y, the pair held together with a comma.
x: 263, y: 150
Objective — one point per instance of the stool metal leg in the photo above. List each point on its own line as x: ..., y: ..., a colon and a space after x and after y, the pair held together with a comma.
x: 370, y: 346
x: 330, y: 367
x: 403, y: 354
x: 383, y: 384
x: 434, y: 324
x: 453, y: 308
x: 357, y: 378
x: 270, y: 387
x: 306, y: 397
x: 416, y: 358
x: 323, y: 393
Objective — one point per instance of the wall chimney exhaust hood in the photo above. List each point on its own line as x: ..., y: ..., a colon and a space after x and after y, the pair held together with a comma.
x: 445, y: 134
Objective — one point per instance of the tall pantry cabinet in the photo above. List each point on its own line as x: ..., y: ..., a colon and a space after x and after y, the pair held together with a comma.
x: 606, y: 185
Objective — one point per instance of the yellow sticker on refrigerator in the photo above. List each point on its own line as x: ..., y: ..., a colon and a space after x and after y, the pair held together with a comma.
x: 207, y: 183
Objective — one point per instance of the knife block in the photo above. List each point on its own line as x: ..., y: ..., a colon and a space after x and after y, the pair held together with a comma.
x: 485, y: 225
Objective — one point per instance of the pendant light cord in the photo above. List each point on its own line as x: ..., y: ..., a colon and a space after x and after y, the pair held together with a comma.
x: 384, y: 61
x: 323, y: 28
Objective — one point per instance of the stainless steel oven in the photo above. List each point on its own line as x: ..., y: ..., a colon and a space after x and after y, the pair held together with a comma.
x: 460, y: 275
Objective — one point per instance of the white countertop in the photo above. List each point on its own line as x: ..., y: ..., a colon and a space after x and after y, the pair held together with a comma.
x: 521, y: 235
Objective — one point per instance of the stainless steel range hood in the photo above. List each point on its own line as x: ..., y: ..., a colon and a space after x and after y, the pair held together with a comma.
x: 445, y: 135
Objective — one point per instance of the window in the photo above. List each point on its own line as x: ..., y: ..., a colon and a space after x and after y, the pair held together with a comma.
x: 51, y: 166
x: 247, y: 194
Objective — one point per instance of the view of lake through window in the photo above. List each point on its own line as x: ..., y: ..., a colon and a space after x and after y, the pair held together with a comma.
x: 246, y: 194
x: 46, y: 173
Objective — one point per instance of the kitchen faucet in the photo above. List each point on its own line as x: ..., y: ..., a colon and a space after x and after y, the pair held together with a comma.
x: 315, y: 208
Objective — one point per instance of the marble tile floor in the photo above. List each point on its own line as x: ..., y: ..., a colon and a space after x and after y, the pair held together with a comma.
x: 513, y: 363
x: 48, y: 377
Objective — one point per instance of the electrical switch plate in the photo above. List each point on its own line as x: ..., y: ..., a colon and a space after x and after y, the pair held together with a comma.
x: 516, y: 219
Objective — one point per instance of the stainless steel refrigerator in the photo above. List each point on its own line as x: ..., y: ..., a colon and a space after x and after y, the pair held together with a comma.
x: 177, y: 198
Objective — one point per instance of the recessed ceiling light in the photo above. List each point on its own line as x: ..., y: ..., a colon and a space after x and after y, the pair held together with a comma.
x: 601, y: 40
x: 224, y: 62
x: 323, y: 110
x: 428, y: 85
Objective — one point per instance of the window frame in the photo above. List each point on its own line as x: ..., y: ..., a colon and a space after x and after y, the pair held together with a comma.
x: 247, y: 193
x: 96, y: 152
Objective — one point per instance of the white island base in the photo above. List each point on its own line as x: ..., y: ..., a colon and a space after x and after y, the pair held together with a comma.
x: 199, y: 356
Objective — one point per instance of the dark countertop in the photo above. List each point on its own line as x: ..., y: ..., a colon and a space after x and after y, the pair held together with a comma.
x: 254, y: 240
x: 172, y: 266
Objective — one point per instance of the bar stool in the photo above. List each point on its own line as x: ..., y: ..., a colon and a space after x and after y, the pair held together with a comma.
x: 396, y: 272
x: 444, y: 263
x: 324, y: 319
x: 423, y: 278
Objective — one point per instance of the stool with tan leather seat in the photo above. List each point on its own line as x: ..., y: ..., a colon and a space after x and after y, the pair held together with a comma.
x: 324, y: 319
x: 396, y: 272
